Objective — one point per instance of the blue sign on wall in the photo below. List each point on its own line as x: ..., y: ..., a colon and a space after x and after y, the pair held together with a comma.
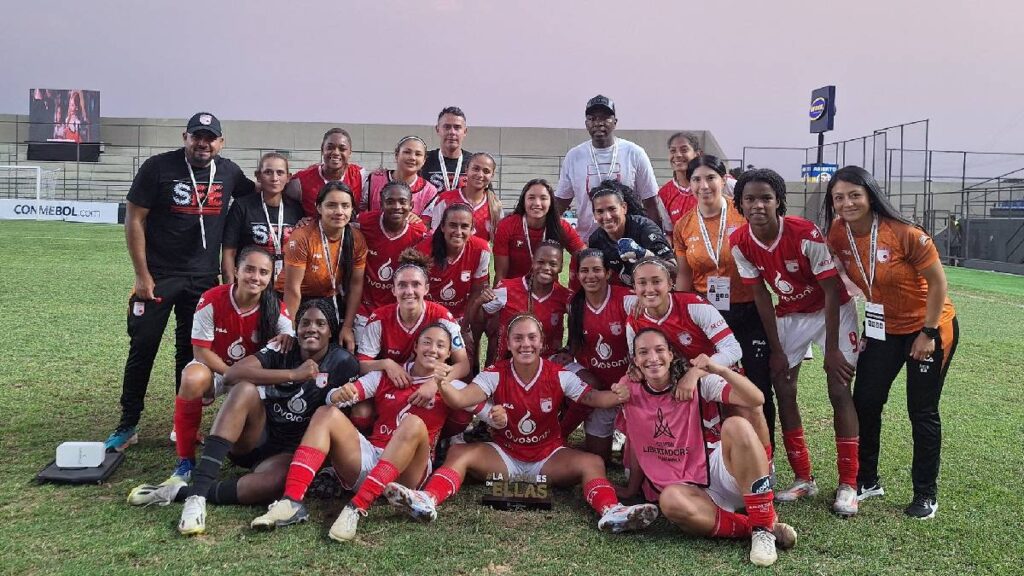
x: 823, y: 109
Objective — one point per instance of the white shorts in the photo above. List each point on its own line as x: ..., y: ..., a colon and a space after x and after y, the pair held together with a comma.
x: 519, y: 469
x: 722, y: 487
x: 797, y: 331
x: 219, y: 387
x: 369, y: 456
x: 359, y: 327
x: 601, y: 422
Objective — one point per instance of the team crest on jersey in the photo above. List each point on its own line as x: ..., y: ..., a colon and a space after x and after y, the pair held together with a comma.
x: 685, y: 339
x: 321, y: 380
x: 615, y: 328
x: 792, y: 265
x: 661, y: 427
x: 883, y: 255
x: 464, y: 276
x: 546, y: 405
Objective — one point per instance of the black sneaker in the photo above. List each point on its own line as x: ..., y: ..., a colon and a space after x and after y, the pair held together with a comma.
x: 922, y: 508
x: 865, y: 491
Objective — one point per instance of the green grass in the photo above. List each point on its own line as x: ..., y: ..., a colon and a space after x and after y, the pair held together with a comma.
x: 63, y: 294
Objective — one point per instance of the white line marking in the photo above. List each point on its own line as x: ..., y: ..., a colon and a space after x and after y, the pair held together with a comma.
x: 992, y: 300
x: 61, y: 238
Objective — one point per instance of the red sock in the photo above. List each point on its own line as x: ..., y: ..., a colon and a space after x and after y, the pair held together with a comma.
x: 847, y: 459
x: 374, y: 484
x: 362, y: 423
x: 305, y: 464
x: 443, y: 484
x: 760, y: 510
x: 600, y: 494
x: 796, y: 452
x: 188, y: 414
x: 572, y: 417
x: 730, y: 524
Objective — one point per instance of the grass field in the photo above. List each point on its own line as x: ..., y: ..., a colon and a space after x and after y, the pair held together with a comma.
x: 63, y: 295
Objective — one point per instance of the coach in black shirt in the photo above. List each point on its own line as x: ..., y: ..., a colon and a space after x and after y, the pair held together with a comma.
x: 175, y: 217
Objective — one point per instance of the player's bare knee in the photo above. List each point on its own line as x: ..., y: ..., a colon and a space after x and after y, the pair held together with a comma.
x: 412, y: 428
x: 325, y: 414
x: 678, y: 505
x: 243, y: 393
x: 195, y: 381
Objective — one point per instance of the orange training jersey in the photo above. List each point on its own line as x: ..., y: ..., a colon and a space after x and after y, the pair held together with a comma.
x: 305, y: 249
x: 689, y: 244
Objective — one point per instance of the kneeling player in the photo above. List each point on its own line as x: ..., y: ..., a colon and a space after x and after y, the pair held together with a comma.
x: 409, y: 418
x: 699, y: 474
x: 526, y: 392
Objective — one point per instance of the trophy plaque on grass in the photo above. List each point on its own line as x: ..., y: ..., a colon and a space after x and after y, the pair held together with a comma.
x: 517, y: 493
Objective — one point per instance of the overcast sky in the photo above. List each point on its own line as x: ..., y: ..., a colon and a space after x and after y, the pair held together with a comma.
x: 743, y: 70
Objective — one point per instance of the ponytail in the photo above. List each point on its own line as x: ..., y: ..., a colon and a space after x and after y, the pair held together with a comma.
x: 579, y: 299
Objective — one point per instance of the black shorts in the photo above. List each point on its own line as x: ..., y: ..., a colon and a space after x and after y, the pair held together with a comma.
x: 269, y: 446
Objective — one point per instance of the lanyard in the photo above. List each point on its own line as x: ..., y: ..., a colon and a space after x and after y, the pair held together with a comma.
x: 873, y: 246
x: 713, y: 253
x: 331, y: 268
x: 611, y: 166
x: 200, y: 202
x: 280, y: 227
x: 444, y: 171
x: 526, y: 233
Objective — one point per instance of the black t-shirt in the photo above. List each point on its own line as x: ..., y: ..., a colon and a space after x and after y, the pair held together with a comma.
x: 174, y: 243
x: 641, y: 229
x: 290, y: 406
x: 431, y: 171
x: 247, y: 224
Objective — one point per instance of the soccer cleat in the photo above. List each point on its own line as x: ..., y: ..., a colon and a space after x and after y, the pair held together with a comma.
x: 193, y: 516
x: 182, y: 472
x: 864, y: 492
x: 416, y: 503
x: 283, y: 512
x: 624, y: 518
x: 121, y: 438
x: 762, y: 547
x: 159, y: 494
x: 846, y: 501
x: 344, y: 528
x: 785, y: 536
x: 797, y: 490
x: 922, y: 507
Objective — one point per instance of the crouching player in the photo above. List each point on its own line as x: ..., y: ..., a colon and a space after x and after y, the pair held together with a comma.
x: 272, y: 399
x: 409, y: 418
x: 526, y: 392
x: 699, y: 468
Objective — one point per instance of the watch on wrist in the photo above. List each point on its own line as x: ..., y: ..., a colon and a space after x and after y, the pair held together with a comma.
x: 932, y: 333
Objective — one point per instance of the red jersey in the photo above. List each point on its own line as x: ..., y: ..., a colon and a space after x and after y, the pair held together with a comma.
x: 678, y: 201
x: 517, y: 241
x: 512, y: 298
x: 792, y: 265
x: 451, y: 286
x: 312, y: 180
x: 231, y: 333
x: 533, y: 431
x: 481, y: 212
x: 386, y: 337
x: 605, y: 351
x: 392, y: 404
x: 693, y: 327
x: 382, y: 251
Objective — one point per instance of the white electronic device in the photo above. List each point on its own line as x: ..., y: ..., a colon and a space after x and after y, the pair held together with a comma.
x: 80, y: 454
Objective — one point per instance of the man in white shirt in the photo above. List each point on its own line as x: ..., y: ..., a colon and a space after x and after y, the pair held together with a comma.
x: 604, y: 157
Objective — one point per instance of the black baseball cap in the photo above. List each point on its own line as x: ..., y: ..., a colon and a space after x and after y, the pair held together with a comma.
x: 600, y: 101
x: 204, y: 121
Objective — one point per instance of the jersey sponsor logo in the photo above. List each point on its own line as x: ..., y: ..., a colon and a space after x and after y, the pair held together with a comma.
x: 297, y: 404
x: 448, y: 291
x: 385, y: 271
x: 546, y: 405
x: 220, y: 330
x: 526, y: 424
x: 792, y: 265
x: 389, y: 396
x: 882, y: 255
x: 236, y: 351
x: 685, y: 338
x: 661, y: 427
x: 321, y: 380
x: 783, y: 287
x: 615, y: 328
x: 464, y: 276
x: 719, y: 325
x: 604, y: 351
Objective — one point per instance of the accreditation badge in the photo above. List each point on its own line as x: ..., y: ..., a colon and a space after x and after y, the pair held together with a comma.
x: 278, y: 266
x: 718, y: 292
x: 874, y: 321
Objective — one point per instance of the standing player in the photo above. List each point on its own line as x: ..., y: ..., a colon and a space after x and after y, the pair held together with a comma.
x: 676, y: 196
x: 328, y: 260
x: 477, y: 194
x: 624, y: 238
x: 896, y: 265
x: 698, y: 464
x: 604, y: 157
x: 266, y: 219
x: 174, y: 221
x: 444, y: 166
x: 336, y: 149
x: 527, y: 444
x: 533, y: 221
x: 410, y: 154
x: 388, y: 232
x: 789, y: 253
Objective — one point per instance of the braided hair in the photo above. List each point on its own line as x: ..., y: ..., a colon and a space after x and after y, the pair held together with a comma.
x: 324, y: 305
x: 529, y: 279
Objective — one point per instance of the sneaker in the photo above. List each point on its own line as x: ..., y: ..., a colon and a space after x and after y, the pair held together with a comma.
x: 325, y: 485
x: 846, y: 501
x: 416, y: 503
x: 121, y: 438
x: 182, y: 472
x: 344, y: 528
x: 159, y: 494
x: 785, y: 536
x: 864, y: 492
x: 623, y: 518
x: 193, y: 516
x: 922, y: 508
x: 797, y: 490
x: 284, y: 512
x: 762, y: 547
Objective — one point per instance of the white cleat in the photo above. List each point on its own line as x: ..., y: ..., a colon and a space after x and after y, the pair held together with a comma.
x: 193, y: 516
x: 625, y: 518
x: 416, y: 503
x: 344, y: 528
